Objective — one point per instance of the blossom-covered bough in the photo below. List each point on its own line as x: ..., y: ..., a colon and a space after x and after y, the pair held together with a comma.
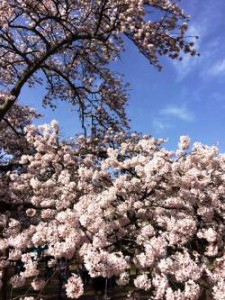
x: 68, y: 45
x: 125, y: 204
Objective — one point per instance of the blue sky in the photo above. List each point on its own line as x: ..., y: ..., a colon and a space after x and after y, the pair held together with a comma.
x: 186, y: 98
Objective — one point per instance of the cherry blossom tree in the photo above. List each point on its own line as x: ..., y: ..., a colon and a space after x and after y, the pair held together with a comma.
x: 68, y: 45
x: 128, y: 203
x: 107, y: 205
x: 13, y: 143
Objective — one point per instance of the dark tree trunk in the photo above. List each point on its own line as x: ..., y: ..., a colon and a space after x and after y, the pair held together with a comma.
x: 4, y: 291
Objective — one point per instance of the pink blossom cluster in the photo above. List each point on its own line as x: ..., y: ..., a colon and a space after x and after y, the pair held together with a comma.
x: 74, y: 287
x: 126, y: 204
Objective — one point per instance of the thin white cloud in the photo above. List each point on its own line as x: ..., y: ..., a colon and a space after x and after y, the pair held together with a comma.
x: 158, y: 124
x: 206, y: 21
x: 179, y: 112
x: 217, y: 69
x: 168, y: 116
x: 188, y: 62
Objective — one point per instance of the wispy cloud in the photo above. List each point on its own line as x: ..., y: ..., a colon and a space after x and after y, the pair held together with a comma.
x: 217, y: 69
x: 188, y: 62
x: 179, y: 112
x: 169, y: 116
x: 206, y: 22
x: 159, y: 124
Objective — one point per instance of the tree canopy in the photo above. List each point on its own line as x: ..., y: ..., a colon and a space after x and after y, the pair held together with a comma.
x: 67, y: 46
x: 108, y: 202
x: 129, y: 203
